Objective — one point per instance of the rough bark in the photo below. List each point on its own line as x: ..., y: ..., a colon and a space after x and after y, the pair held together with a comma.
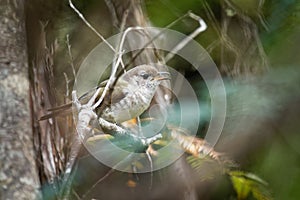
x: 18, y: 174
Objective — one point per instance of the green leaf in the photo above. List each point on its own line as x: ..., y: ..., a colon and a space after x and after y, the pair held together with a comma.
x: 241, y: 186
x: 245, y: 183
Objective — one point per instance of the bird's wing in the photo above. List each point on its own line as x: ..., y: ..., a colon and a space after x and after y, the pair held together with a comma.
x: 120, y: 91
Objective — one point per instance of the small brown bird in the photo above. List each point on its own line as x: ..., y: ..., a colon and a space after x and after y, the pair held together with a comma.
x: 131, y: 95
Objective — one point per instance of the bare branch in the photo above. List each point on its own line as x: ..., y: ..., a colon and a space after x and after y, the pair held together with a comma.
x: 90, y: 26
x: 202, y: 27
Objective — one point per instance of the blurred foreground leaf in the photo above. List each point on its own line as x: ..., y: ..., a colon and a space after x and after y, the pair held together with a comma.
x: 245, y: 183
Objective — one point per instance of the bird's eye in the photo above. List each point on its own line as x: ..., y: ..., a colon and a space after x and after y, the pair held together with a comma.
x: 145, y: 75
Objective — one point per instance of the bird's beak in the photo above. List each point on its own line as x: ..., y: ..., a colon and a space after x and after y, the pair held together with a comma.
x: 162, y: 76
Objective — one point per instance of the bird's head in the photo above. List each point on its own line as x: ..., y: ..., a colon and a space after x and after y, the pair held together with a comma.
x: 146, y: 76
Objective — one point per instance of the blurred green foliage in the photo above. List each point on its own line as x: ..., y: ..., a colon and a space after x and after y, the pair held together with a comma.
x: 278, y: 23
x: 279, y: 35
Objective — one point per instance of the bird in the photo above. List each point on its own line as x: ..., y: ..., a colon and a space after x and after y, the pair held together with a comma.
x: 130, y: 97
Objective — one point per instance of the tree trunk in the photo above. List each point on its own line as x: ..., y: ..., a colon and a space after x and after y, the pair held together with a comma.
x: 18, y: 174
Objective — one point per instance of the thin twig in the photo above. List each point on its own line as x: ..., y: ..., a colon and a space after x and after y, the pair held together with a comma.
x: 68, y: 177
x: 151, y: 169
x: 112, y: 12
x: 71, y: 59
x: 90, y: 26
x: 154, y: 38
x: 124, y: 19
x: 202, y: 27
x: 67, y: 85
x: 118, y: 60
